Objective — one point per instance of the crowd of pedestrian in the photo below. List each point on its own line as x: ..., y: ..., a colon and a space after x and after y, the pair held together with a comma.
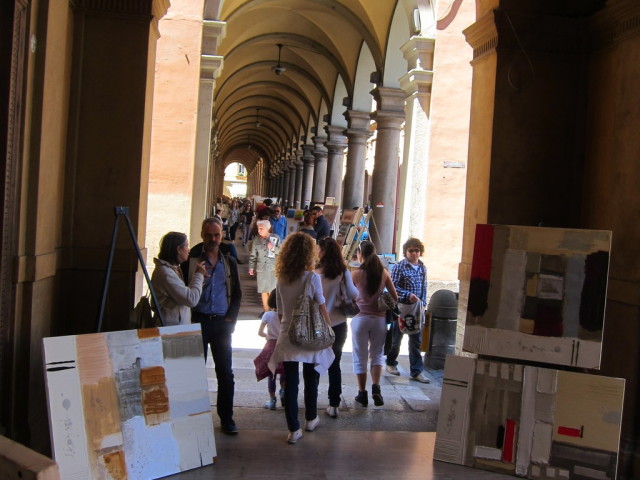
x: 202, y: 285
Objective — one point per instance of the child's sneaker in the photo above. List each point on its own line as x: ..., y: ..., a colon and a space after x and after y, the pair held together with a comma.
x: 271, y: 404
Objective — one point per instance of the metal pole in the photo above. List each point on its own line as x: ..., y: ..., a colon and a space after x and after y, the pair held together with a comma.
x: 108, y: 274
x: 144, y: 267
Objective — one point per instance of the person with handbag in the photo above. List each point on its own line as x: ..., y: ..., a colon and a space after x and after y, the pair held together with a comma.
x: 369, y: 327
x: 340, y: 294
x: 174, y: 297
x: 410, y: 279
x: 294, y: 270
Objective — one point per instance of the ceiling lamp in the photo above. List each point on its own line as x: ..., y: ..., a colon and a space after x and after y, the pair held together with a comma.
x: 279, y: 69
x: 258, y: 123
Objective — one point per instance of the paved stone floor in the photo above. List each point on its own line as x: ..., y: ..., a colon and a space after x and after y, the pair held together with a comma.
x: 394, y: 441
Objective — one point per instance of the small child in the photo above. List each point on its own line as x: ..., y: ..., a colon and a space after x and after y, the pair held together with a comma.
x: 271, y: 321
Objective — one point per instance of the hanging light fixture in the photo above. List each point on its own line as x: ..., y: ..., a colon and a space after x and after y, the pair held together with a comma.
x: 279, y: 69
x: 258, y: 123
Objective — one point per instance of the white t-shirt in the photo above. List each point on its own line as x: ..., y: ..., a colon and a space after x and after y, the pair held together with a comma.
x: 272, y: 321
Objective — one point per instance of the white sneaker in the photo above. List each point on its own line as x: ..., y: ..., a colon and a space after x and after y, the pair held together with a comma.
x: 294, y: 436
x: 393, y: 370
x: 420, y: 378
x: 310, y: 425
x: 332, y: 412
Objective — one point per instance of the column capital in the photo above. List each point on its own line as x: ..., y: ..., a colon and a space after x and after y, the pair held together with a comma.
x: 358, y: 120
x: 417, y: 82
x: 307, y: 153
x: 418, y: 52
x: 388, y: 120
x: 482, y: 36
x: 210, y: 66
x: 389, y: 99
x: 213, y: 32
x: 336, y: 137
x: 319, y: 148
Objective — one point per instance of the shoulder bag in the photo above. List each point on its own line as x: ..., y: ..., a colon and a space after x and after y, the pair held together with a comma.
x: 308, y: 329
x: 344, y: 301
x: 411, y: 317
x: 386, y: 302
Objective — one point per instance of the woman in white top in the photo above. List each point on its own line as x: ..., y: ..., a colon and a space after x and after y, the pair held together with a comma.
x: 369, y: 327
x: 295, y: 263
x: 174, y: 297
x: 333, y: 271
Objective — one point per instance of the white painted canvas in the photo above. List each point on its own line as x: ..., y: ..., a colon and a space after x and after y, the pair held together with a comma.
x: 130, y: 404
x: 522, y: 421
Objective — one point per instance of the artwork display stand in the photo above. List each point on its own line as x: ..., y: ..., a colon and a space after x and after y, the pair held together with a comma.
x: 350, y: 231
x: 536, y: 298
x: 123, y: 212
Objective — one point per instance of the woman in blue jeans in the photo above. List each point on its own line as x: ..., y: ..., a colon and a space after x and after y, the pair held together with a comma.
x: 294, y: 265
x: 333, y: 271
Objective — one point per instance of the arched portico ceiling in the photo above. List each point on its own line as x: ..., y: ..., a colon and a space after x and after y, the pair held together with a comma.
x: 321, y: 44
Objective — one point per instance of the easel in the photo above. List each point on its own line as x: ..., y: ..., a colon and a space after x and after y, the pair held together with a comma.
x: 124, y: 212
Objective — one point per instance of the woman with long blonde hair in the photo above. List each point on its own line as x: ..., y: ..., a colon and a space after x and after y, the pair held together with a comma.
x: 294, y: 265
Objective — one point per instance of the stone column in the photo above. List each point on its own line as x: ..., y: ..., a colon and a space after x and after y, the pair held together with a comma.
x: 299, y: 176
x: 210, y: 66
x: 292, y: 183
x: 389, y: 117
x: 357, y: 135
x: 307, y: 177
x: 285, y: 186
x: 320, y: 170
x: 414, y: 179
x: 336, y: 145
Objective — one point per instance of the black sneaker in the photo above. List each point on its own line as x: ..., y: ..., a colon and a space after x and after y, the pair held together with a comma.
x: 362, y: 398
x: 376, y: 395
x: 229, y: 428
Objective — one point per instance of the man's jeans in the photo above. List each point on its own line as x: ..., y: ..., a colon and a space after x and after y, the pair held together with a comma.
x: 415, y: 357
x: 217, y: 333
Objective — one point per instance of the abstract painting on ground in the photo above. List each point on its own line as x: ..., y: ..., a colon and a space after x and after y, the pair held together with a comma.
x: 538, y: 294
x: 130, y: 404
x: 528, y: 421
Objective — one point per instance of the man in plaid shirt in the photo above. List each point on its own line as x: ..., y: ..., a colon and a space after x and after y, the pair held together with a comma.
x: 410, y: 279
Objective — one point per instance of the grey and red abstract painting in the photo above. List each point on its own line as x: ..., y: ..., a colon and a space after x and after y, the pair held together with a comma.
x: 538, y: 294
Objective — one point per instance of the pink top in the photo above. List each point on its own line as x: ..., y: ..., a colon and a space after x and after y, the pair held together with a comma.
x: 368, y: 304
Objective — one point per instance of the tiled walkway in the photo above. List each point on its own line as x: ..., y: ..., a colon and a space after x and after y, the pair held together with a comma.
x: 394, y: 441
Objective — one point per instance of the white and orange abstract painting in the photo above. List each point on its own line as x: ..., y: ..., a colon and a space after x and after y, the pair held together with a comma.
x: 129, y: 405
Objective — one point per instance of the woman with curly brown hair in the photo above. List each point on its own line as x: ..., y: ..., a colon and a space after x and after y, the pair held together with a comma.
x: 295, y: 263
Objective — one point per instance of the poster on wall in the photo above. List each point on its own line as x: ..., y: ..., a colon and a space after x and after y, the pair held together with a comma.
x: 131, y: 404
x: 538, y: 294
x: 528, y: 421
